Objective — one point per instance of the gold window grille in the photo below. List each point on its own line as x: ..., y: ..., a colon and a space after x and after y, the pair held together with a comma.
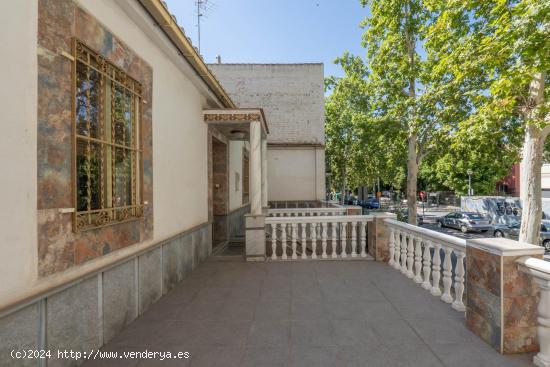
x: 107, y: 149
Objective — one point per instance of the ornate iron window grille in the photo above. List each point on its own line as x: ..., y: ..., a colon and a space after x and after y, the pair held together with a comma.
x: 107, y: 142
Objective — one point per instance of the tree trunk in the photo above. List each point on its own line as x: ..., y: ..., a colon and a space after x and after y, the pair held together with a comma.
x: 530, y: 185
x: 412, y: 178
x: 531, y: 165
x: 343, y: 190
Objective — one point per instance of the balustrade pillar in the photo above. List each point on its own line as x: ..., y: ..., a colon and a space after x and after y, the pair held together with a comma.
x: 404, y: 252
x: 274, y: 241
x: 324, y: 240
x: 363, y: 239
x: 459, y: 282
x: 284, y: 240
x: 410, y: 256
x: 447, y: 274
x: 398, y: 235
x: 344, y: 240
x: 392, y: 247
x: 418, y: 260
x: 303, y: 239
x: 293, y: 230
x: 427, y: 265
x: 353, y: 239
x: 436, y: 270
x: 334, y: 239
x: 313, y: 230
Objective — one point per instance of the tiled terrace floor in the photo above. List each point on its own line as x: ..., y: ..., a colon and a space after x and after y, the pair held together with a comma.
x: 331, y: 313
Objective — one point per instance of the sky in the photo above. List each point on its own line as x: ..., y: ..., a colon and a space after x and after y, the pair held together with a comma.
x: 281, y: 31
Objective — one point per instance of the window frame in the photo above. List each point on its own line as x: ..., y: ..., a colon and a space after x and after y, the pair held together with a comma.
x: 119, y: 79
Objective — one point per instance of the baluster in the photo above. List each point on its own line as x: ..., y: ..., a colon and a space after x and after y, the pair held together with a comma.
x: 274, y: 241
x: 335, y: 226
x: 404, y: 253
x: 392, y: 247
x: 410, y: 256
x: 436, y: 270
x: 324, y: 239
x: 314, y: 240
x: 304, y: 240
x: 427, y: 265
x: 459, y: 282
x: 398, y: 235
x: 418, y: 260
x: 344, y: 240
x: 447, y: 276
x: 284, y: 238
x: 353, y: 239
x: 293, y: 235
x: 363, y: 241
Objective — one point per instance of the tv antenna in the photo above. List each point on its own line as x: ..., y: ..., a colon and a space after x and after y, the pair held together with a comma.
x: 204, y: 8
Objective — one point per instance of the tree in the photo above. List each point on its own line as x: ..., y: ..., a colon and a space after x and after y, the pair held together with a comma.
x: 499, y: 52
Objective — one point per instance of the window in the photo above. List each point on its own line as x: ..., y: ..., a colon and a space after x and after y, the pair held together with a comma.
x: 246, y: 174
x: 106, y: 142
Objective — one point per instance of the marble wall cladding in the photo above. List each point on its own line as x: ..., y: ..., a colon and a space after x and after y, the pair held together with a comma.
x: 483, y: 296
x: 119, y: 299
x: 173, y: 263
x: 378, y: 237
x: 150, y: 278
x: 59, y: 21
x: 501, y: 302
x: 19, y: 331
x: 72, y: 320
x: 236, y: 223
x: 520, y: 302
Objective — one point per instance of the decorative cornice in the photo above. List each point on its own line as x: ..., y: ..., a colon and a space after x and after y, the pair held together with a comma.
x: 232, y: 117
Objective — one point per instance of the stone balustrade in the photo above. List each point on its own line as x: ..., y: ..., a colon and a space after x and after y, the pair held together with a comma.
x: 317, y: 237
x: 540, y: 272
x: 302, y: 212
x: 432, y: 259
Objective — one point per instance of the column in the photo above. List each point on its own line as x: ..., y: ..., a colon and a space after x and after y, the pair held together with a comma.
x: 264, y: 173
x: 255, y: 168
x: 501, y: 301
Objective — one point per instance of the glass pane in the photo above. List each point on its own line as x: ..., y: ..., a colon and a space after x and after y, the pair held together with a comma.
x: 88, y: 83
x: 128, y: 104
x: 119, y: 115
x: 123, y: 177
x: 88, y: 178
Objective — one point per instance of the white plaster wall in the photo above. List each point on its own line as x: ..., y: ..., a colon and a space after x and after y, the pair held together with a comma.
x: 292, y: 174
x: 18, y: 96
x: 292, y: 96
x: 235, y: 168
x: 180, y: 156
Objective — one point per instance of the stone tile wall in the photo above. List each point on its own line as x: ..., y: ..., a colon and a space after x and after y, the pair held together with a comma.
x: 89, y: 313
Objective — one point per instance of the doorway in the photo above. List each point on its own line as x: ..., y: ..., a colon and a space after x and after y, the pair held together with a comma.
x: 220, y: 193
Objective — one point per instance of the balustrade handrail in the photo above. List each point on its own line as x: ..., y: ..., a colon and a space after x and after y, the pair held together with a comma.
x: 538, y: 268
x: 456, y: 242
x: 322, y: 209
x: 321, y: 219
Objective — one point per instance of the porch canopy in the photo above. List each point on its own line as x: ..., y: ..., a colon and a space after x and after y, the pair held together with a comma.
x: 246, y: 124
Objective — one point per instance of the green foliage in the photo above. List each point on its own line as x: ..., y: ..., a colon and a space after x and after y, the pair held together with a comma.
x: 461, y: 90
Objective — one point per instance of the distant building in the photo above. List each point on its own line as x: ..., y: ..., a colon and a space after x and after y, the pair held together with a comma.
x: 509, y: 185
x: 292, y: 97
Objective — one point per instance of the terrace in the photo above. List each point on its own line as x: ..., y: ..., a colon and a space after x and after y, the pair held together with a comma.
x: 341, y: 289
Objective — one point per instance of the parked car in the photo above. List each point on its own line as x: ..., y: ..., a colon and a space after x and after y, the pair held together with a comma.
x: 512, y: 231
x: 465, y: 222
x: 403, y: 215
x: 371, y: 203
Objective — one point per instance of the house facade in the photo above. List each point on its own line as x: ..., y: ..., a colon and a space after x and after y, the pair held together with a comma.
x: 292, y: 97
x: 128, y: 163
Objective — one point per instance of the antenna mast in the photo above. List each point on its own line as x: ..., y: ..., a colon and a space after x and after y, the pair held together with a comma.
x: 204, y: 7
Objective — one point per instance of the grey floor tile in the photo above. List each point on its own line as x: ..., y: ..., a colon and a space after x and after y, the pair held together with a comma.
x: 269, y: 333
x: 307, y: 309
x: 313, y: 356
x: 313, y: 333
x: 354, y: 332
x: 272, y: 309
x: 395, y: 332
x: 266, y: 357
x: 478, y: 354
